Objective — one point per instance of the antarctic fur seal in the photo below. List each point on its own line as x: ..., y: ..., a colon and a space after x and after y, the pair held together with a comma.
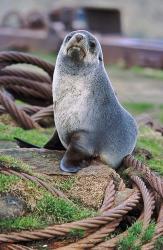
x: 89, y: 119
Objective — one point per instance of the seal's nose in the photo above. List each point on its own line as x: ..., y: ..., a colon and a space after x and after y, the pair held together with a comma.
x: 78, y: 37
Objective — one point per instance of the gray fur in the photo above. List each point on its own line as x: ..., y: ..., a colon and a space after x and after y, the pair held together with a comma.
x: 84, y: 100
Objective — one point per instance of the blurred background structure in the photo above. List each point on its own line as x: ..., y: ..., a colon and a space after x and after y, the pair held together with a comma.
x: 141, y: 18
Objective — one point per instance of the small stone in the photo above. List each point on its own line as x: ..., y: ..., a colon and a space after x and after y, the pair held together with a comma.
x: 11, y: 206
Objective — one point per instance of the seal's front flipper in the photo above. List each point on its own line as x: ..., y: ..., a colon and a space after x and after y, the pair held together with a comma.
x: 24, y: 144
x: 76, y: 156
x: 54, y: 143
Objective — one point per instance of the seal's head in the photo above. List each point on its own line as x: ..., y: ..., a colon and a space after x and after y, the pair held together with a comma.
x: 81, y: 46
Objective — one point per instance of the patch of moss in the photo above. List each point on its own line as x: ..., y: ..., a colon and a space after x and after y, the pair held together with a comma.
x: 34, y: 136
x: 57, y: 210
x: 21, y: 223
x: 6, y: 182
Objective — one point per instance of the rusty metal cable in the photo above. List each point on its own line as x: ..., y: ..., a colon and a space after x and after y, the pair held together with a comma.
x: 14, y: 247
x: 86, y: 224
x: 9, y: 58
x: 109, y: 197
x: 148, y: 209
x: 28, y: 93
x: 148, y: 200
x: 30, y: 110
x: 44, y: 89
x: 30, y: 75
x: 91, y: 240
x: 25, y: 85
x: 18, y: 115
x: 158, y: 231
x: 155, y: 181
x: 96, y: 237
x: 35, y: 179
x: 43, y: 113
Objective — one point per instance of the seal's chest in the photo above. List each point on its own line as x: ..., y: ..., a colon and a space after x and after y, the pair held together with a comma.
x: 71, y: 98
x: 70, y: 93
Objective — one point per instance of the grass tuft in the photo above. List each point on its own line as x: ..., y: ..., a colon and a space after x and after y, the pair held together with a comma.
x: 138, y: 108
x: 66, y: 184
x: 148, y: 233
x: 128, y: 242
x: 77, y: 233
x: 34, y: 136
x: 159, y: 243
x: 60, y: 211
x: 6, y: 182
x: 11, y: 162
x: 153, y: 142
x: 21, y: 223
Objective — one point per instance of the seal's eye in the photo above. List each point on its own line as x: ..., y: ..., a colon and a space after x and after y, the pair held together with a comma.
x: 92, y: 44
x: 68, y: 38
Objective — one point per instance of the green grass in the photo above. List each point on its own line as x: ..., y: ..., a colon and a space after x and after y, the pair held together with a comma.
x: 152, y: 142
x: 148, y: 233
x: 6, y: 182
x: 136, y: 237
x: 11, y: 162
x: 138, y: 108
x: 49, y: 57
x: 77, y: 233
x: 148, y: 72
x: 34, y: 136
x: 21, y: 223
x: 159, y: 243
x: 128, y: 242
x: 66, y: 184
x: 58, y: 210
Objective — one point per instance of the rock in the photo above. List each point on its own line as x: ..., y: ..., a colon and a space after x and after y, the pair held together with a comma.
x: 89, y: 184
x: 11, y: 207
x: 7, y: 144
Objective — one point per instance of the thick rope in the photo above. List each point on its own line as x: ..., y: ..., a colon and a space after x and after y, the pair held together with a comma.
x: 148, y: 209
x: 9, y: 58
x: 158, y: 231
x: 86, y: 224
x: 26, y: 75
x: 44, y: 89
x: 155, y: 181
x: 18, y: 115
x: 109, y: 197
x: 35, y: 179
